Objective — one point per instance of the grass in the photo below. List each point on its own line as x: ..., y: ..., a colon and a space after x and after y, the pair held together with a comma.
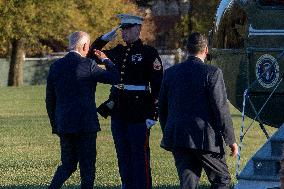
x: 29, y: 153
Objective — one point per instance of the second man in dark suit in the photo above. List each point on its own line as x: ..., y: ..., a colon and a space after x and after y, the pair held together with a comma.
x: 71, y: 107
x: 195, y: 118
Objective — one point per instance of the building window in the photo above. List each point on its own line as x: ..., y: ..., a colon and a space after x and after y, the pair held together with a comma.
x: 161, y: 41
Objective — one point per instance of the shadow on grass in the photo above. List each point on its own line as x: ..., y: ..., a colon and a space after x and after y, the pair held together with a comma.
x: 96, y: 187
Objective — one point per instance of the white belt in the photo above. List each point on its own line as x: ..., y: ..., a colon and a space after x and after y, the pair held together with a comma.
x: 132, y: 87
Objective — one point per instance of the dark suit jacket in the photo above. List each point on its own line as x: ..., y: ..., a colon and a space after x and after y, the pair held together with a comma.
x: 193, y: 108
x: 70, y: 93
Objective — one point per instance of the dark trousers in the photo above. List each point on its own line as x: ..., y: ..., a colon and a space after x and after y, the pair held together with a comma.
x: 189, y: 164
x: 281, y: 172
x: 133, y: 153
x: 76, y: 148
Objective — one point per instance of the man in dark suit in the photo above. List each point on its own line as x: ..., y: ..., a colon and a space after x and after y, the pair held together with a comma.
x: 71, y: 107
x: 195, y: 118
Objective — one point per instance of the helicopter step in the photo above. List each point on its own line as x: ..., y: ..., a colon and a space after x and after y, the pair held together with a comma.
x: 262, y: 170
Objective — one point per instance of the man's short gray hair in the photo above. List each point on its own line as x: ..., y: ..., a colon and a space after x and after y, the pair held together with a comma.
x: 196, y: 43
x: 78, y: 39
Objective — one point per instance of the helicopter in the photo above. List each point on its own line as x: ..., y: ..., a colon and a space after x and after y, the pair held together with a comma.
x: 246, y: 40
x: 247, y: 43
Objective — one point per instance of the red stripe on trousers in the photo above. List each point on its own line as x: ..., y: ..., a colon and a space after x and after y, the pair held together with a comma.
x: 146, y: 160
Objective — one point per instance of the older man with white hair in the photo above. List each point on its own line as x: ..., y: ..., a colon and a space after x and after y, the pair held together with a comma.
x: 71, y: 107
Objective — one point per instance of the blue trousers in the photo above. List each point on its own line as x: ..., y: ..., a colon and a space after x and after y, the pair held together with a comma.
x: 76, y: 148
x: 133, y: 154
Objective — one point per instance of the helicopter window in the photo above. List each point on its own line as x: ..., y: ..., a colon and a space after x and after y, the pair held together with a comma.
x: 271, y: 2
x: 232, y: 29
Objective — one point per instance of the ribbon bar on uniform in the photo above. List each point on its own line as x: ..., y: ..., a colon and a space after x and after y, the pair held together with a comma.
x: 132, y: 87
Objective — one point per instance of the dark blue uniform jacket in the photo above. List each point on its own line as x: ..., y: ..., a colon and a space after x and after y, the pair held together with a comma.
x: 70, y: 93
x: 138, y: 64
x: 193, y: 108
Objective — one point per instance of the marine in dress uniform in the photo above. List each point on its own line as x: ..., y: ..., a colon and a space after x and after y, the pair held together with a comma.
x: 132, y: 103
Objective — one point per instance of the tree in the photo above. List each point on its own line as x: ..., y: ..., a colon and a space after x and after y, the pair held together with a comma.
x: 101, y: 16
x: 39, y: 26
x: 24, y: 22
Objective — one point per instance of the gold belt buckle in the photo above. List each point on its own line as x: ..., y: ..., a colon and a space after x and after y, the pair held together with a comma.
x: 120, y: 86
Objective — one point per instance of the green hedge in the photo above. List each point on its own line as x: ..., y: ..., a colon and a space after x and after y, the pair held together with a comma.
x: 35, y: 71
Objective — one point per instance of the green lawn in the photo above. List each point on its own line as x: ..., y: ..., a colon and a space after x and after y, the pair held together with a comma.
x: 29, y: 153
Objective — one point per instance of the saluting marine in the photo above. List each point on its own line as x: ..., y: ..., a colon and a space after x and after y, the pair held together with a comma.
x: 133, y: 103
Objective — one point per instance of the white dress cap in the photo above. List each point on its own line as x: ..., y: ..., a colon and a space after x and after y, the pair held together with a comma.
x: 127, y: 19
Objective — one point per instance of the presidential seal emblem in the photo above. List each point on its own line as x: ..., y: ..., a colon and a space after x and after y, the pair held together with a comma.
x: 267, y: 71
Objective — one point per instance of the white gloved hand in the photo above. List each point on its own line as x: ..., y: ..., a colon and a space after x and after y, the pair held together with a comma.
x: 110, y: 35
x: 110, y: 104
x: 150, y: 123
